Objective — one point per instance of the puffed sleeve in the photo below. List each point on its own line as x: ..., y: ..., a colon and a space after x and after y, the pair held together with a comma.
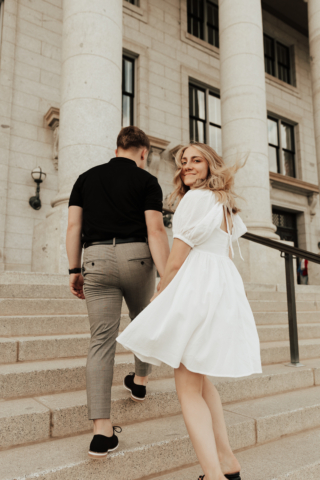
x: 197, y: 215
x: 239, y: 228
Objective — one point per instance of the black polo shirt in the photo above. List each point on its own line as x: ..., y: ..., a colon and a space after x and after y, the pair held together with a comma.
x: 114, y: 197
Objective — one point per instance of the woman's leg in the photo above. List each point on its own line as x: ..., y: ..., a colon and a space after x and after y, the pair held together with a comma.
x: 198, y: 421
x: 228, y: 462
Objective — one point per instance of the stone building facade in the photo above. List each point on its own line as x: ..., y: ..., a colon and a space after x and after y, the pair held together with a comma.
x: 242, y: 76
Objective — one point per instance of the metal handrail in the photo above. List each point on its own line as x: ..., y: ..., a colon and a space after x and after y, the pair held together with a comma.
x: 288, y: 252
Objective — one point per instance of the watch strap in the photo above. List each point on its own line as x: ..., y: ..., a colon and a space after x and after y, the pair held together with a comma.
x: 74, y: 270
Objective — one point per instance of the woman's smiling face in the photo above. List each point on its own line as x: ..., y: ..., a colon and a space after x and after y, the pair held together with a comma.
x: 194, y: 166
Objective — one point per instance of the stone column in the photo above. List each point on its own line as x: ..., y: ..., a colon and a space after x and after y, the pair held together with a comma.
x: 244, y: 122
x: 90, y: 113
x: 314, y: 43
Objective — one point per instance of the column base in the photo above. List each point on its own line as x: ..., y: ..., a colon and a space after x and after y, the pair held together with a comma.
x: 49, y: 253
x: 261, y: 265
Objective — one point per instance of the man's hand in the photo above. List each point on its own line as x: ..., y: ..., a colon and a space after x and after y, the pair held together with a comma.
x: 76, y: 285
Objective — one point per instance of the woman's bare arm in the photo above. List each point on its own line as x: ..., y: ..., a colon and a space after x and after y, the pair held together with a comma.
x: 179, y: 252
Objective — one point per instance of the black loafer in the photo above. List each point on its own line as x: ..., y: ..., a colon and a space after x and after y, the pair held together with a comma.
x: 138, y: 392
x: 100, y: 445
x: 233, y: 476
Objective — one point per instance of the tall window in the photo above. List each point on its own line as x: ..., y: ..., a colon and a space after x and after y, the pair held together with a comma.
x: 281, y: 147
x: 205, y: 117
x: 127, y: 91
x: 203, y: 20
x: 277, y: 59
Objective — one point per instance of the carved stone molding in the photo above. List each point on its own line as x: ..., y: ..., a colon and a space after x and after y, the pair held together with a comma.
x: 312, y: 202
x: 284, y: 182
x: 51, y: 120
x: 174, y: 151
x: 158, y: 145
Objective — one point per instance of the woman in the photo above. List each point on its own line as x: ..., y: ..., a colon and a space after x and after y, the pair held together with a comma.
x: 200, y: 321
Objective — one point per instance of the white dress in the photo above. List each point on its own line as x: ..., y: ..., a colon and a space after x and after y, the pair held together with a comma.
x: 203, y: 318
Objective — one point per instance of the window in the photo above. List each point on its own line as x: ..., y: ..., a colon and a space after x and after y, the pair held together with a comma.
x: 281, y: 147
x: 277, y: 59
x: 127, y: 91
x: 133, y: 2
x: 205, y: 117
x: 203, y: 20
x: 286, y: 224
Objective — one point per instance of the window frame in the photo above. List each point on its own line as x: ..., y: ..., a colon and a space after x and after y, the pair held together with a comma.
x: 134, y: 2
x: 276, y: 60
x: 131, y: 58
x: 280, y: 148
x: 207, y: 91
x: 205, y: 25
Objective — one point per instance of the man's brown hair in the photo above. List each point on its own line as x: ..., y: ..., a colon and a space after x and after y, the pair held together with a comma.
x: 132, y: 137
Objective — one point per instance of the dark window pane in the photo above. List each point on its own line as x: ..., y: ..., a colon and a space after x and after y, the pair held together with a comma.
x: 288, y: 163
x: 128, y: 76
x: 126, y: 111
x: 213, y: 24
x: 287, y: 136
x: 197, y: 131
x: 273, y: 132
x: 269, y: 66
x: 273, y: 159
x: 283, y: 53
x: 215, y: 139
x: 214, y: 110
x: 269, y: 54
x: 196, y: 18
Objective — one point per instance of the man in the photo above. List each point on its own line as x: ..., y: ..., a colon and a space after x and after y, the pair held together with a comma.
x: 113, y: 209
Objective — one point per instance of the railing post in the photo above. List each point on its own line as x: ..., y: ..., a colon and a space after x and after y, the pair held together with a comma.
x: 292, y: 312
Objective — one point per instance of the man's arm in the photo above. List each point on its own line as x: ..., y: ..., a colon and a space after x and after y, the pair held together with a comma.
x: 74, y: 249
x: 157, y: 239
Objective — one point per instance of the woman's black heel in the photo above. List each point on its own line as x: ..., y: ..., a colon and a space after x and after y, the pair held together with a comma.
x: 233, y: 476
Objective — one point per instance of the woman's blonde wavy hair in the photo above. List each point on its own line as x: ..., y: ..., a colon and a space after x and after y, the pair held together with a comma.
x: 220, y: 179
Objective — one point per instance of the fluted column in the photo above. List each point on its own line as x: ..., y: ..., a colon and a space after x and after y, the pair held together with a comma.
x: 90, y: 116
x: 243, y: 108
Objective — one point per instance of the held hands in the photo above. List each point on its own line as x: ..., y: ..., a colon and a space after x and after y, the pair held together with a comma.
x: 158, y: 291
x: 76, y: 285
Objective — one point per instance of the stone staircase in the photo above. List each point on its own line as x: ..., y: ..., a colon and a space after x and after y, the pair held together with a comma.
x: 273, y: 418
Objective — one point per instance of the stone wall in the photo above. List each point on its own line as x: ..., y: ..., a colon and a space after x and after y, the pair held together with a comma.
x: 31, y: 51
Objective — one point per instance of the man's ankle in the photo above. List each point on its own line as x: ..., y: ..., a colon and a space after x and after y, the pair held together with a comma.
x: 103, y: 426
x: 140, y: 380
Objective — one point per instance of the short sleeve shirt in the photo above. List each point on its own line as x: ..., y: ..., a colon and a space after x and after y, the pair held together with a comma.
x: 114, y: 197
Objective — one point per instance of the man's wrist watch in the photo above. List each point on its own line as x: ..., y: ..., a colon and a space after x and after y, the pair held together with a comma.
x: 74, y: 270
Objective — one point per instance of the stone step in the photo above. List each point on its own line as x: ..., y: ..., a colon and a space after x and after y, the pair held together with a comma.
x: 291, y: 458
x: 68, y: 411
x: 269, y: 306
x: 31, y: 348
x: 273, y: 333
x: 277, y: 318
x: 142, y: 450
x: 41, y: 306
x: 282, y: 296
x: 282, y: 414
x: 35, y: 291
x: 50, y: 347
x: 63, y: 375
x: 33, y: 278
x: 276, y: 352
x: 34, y: 325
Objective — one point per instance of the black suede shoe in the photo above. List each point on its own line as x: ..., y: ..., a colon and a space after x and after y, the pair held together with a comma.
x: 233, y: 476
x: 138, y: 392
x: 100, y: 445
